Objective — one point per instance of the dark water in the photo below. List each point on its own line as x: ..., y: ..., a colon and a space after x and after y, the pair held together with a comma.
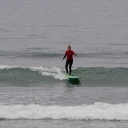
x: 89, y: 77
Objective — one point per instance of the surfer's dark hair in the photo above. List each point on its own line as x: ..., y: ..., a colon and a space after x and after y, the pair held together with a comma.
x: 69, y: 46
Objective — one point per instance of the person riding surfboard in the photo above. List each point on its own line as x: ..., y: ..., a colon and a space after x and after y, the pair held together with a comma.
x: 69, y: 54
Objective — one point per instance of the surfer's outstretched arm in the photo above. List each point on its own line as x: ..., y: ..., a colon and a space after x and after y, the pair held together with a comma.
x: 74, y: 54
x: 64, y: 57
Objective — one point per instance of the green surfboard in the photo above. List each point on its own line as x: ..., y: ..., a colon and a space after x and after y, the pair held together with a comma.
x: 72, y: 77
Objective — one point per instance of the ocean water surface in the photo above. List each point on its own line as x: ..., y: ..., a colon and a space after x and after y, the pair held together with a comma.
x: 34, y: 35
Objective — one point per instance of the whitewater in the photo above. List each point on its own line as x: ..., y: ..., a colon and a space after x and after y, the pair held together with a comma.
x: 97, y: 111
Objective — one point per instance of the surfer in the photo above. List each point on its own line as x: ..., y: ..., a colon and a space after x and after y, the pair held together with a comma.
x: 69, y: 53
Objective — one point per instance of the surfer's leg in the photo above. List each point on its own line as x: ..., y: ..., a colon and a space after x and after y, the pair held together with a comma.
x: 70, y: 66
x: 66, y: 66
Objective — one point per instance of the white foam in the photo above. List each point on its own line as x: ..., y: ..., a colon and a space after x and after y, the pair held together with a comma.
x: 97, y: 111
x: 7, y: 67
x: 54, y: 72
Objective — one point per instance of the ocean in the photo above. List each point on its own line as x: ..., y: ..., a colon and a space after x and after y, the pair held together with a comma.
x: 34, y: 91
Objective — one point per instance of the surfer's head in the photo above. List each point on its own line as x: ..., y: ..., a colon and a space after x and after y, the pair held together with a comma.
x: 69, y: 47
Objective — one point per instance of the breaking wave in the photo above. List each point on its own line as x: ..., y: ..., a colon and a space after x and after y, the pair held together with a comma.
x: 14, y: 75
x: 97, y: 111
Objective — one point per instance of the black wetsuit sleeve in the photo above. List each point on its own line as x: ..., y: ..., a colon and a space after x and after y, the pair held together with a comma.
x: 64, y: 56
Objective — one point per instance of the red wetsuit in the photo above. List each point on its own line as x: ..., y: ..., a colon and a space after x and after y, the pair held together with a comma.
x: 69, y: 54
